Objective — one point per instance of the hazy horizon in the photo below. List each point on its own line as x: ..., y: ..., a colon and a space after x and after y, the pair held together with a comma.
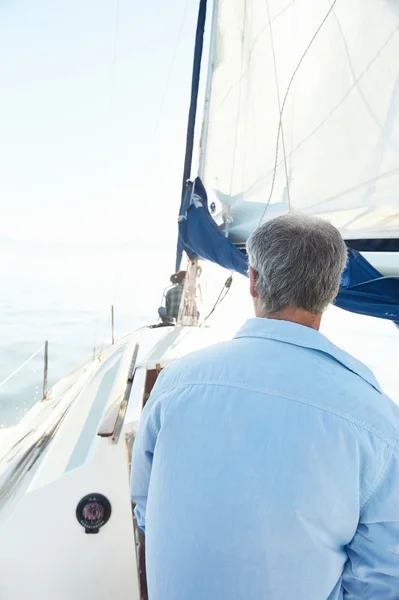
x: 93, y: 115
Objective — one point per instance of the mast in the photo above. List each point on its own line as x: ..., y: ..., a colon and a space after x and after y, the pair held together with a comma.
x: 208, y: 90
x: 274, y: 136
x: 198, y: 49
x: 188, y: 306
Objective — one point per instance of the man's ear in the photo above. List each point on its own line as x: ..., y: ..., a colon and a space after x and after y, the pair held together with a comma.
x: 253, y: 278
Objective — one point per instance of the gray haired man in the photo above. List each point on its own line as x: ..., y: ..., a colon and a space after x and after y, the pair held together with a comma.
x: 267, y: 467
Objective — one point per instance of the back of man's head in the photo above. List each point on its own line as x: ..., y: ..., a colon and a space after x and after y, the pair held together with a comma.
x: 298, y: 262
x: 178, y: 277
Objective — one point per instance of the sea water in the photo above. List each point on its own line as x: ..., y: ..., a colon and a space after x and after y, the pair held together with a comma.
x: 63, y: 293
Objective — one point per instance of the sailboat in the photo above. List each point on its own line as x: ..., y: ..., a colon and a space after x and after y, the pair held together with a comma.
x: 300, y: 114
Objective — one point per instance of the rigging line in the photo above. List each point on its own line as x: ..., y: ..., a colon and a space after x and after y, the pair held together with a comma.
x: 279, y: 108
x: 115, y: 48
x: 107, y: 328
x: 203, y: 139
x: 352, y: 221
x: 366, y: 104
x: 285, y: 100
x: 384, y: 175
x: 153, y: 139
x: 167, y: 85
x: 229, y: 91
x: 222, y: 295
x: 112, y: 80
x: 77, y: 327
x: 270, y: 22
x: 238, y: 105
x: 114, y: 60
x: 109, y: 146
x: 18, y: 369
x: 248, y: 122
x: 333, y: 110
x: 55, y: 339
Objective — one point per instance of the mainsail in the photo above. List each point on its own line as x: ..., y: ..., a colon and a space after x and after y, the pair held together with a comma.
x: 301, y: 114
x: 304, y: 114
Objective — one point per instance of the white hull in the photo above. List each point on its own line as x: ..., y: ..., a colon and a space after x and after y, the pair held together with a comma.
x: 45, y: 553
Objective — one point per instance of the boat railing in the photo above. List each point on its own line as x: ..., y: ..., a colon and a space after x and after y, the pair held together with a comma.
x: 30, y: 382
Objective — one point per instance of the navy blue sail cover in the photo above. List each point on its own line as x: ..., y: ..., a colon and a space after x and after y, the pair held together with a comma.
x: 363, y: 289
x: 199, y: 236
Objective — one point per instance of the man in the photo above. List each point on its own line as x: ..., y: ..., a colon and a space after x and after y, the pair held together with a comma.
x: 266, y: 468
x: 173, y: 296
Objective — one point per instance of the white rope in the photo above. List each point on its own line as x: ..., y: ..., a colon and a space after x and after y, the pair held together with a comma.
x: 91, y: 320
x: 18, y: 369
x: 149, y: 156
x: 152, y: 144
x: 280, y: 125
x: 41, y: 348
x: 279, y: 104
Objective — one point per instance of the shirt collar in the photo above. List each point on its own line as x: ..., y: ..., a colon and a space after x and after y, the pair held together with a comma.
x: 299, y: 335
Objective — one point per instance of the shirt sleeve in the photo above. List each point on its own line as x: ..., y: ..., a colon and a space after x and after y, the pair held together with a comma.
x: 143, y: 451
x: 372, y: 569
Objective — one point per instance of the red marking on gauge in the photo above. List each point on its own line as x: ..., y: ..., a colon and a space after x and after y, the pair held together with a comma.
x: 93, y: 511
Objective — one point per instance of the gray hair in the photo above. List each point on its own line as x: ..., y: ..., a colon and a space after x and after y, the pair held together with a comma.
x: 299, y: 261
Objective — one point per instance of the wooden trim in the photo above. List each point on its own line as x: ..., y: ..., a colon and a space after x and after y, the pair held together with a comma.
x: 109, y: 426
x: 151, y: 378
x: 140, y: 557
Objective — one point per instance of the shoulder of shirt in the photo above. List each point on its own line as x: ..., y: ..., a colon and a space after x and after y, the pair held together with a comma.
x: 200, y: 368
x: 189, y: 369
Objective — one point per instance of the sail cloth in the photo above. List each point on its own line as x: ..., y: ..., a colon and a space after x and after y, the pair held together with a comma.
x: 304, y: 114
x: 199, y: 236
x: 363, y: 290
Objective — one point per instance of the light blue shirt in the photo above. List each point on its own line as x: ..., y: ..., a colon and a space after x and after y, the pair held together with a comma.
x: 266, y: 468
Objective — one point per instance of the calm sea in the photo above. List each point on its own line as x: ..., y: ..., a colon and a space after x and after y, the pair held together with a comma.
x: 64, y: 294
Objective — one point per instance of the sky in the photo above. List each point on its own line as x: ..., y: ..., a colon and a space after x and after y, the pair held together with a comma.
x: 93, y: 111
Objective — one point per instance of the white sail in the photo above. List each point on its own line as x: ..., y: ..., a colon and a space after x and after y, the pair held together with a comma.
x: 331, y: 71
